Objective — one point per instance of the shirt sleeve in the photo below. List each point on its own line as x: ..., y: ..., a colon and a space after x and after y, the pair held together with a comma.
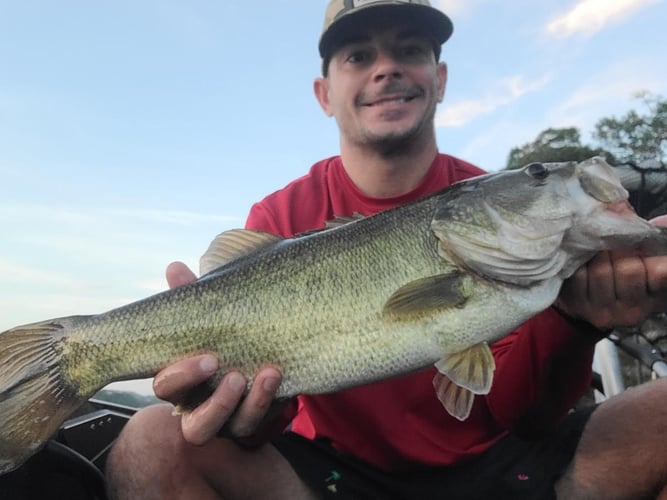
x: 261, y: 218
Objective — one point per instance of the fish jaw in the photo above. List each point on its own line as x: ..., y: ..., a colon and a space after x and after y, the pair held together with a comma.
x: 604, y: 218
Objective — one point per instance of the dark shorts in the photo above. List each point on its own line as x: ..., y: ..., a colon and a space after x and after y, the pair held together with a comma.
x: 511, y: 469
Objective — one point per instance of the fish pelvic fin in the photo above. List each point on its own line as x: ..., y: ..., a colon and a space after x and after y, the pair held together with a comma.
x: 34, y: 400
x: 457, y: 400
x: 462, y: 375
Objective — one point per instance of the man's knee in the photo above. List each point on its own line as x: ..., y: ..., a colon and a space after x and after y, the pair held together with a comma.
x: 150, y: 426
x: 152, y: 457
x: 619, y: 451
x: 147, y: 440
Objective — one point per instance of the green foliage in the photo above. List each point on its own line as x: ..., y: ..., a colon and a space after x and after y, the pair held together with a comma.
x: 636, y: 138
x: 553, y: 145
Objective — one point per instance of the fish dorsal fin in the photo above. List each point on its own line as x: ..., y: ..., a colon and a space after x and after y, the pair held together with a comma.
x: 427, y: 294
x: 472, y: 368
x: 231, y: 245
x: 456, y: 399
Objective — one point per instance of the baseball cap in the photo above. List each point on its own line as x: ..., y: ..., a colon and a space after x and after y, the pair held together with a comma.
x: 342, y: 14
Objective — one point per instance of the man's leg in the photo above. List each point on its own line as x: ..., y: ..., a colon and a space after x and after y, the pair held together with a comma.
x: 622, y: 454
x: 152, y: 461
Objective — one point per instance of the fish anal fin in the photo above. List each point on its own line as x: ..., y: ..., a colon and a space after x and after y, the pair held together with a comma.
x: 231, y: 245
x: 457, y: 400
x: 425, y: 295
x: 471, y: 368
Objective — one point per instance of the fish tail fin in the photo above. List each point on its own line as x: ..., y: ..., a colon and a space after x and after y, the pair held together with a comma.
x: 34, y: 398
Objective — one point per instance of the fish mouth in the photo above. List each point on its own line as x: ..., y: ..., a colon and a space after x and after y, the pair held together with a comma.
x: 620, y: 207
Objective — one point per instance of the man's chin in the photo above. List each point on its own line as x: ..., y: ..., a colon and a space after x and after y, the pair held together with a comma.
x: 393, y: 143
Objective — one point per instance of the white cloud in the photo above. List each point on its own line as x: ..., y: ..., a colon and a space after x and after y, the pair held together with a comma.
x: 508, y: 90
x: 607, y: 93
x: 590, y: 16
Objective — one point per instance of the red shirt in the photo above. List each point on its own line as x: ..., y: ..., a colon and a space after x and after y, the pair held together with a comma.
x: 541, y: 369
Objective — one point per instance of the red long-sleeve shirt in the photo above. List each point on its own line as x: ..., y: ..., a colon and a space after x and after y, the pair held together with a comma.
x: 541, y: 369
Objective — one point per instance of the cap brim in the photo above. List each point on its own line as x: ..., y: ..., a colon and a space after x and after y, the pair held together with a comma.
x: 432, y: 21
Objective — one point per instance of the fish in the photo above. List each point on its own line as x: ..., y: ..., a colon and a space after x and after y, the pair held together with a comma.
x: 373, y: 298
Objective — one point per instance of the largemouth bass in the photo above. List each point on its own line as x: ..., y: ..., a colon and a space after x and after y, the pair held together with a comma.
x: 430, y: 282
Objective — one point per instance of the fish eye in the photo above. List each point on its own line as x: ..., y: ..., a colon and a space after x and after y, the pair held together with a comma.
x: 537, y: 171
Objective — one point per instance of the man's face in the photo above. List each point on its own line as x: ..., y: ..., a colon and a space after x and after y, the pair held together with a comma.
x: 383, y: 87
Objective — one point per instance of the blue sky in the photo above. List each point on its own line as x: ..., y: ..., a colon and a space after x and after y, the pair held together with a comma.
x: 132, y: 132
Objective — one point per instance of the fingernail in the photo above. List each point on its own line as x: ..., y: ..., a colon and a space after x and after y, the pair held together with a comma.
x: 208, y: 363
x: 271, y: 384
x: 236, y: 382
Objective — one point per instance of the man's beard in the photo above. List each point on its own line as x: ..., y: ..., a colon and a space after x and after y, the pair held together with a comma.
x: 394, y: 144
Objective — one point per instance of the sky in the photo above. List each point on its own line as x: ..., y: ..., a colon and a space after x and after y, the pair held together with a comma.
x: 132, y: 132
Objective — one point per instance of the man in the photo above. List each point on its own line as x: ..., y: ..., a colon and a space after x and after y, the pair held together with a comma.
x: 382, y: 82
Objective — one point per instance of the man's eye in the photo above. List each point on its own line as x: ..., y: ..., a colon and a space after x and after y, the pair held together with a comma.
x: 358, y: 56
x: 412, y: 51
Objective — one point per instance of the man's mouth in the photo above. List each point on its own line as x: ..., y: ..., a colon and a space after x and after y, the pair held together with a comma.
x: 389, y: 100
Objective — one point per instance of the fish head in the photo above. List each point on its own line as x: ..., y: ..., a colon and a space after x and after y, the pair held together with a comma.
x: 536, y: 223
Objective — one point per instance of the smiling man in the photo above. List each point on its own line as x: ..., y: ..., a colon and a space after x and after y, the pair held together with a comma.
x: 381, y: 80
x: 391, y: 107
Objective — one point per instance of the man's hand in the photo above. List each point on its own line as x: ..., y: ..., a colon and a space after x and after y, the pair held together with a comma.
x: 241, y: 417
x: 617, y: 288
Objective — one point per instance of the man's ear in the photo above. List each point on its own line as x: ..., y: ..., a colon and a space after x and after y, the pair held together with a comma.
x: 442, y: 80
x: 321, y: 88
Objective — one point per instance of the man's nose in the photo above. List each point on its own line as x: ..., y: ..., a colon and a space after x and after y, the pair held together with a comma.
x: 386, y: 66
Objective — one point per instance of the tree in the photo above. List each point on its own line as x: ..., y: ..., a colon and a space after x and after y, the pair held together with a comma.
x: 553, y: 145
x: 636, y: 144
x: 640, y: 139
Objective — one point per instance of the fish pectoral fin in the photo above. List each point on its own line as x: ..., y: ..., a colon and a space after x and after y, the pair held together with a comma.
x: 232, y: 244
x: 472, y: 368
x: 457, y: 400
x: 427, y: 294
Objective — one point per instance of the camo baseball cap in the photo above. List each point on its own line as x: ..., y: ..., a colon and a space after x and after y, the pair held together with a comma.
x: 340, y: 14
